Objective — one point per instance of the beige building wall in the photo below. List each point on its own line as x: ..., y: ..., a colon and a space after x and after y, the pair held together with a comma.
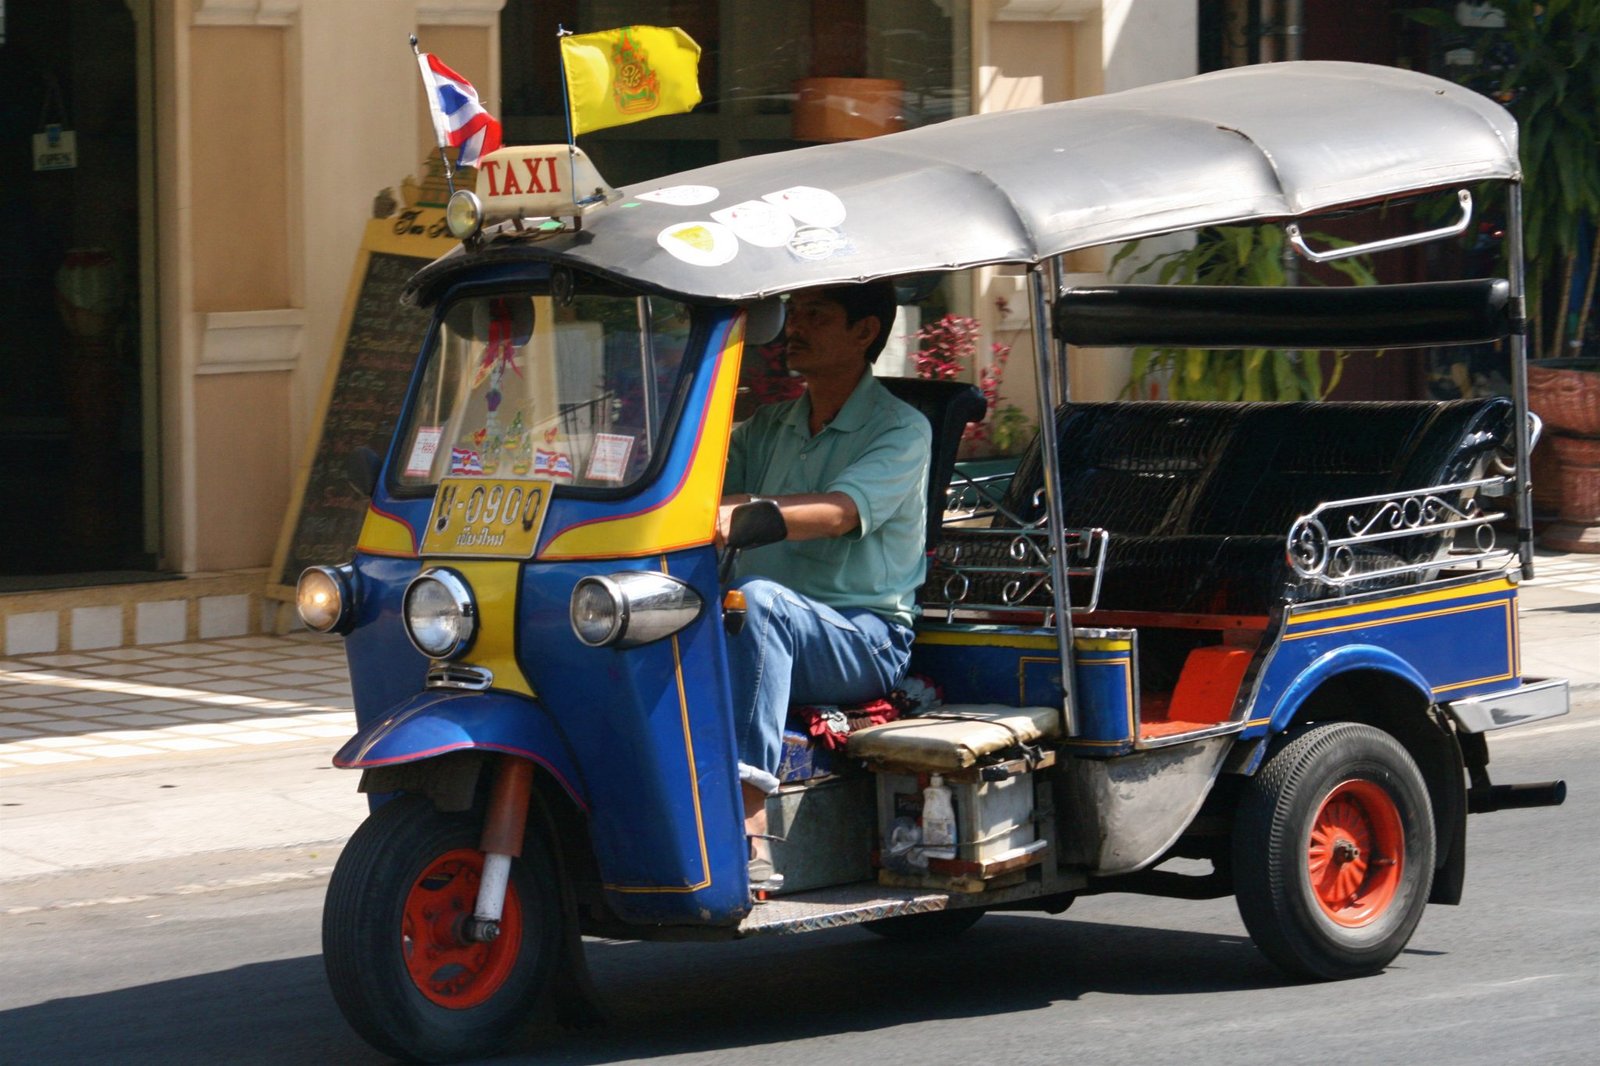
x: 278, y: 121
x: 1031, y: 52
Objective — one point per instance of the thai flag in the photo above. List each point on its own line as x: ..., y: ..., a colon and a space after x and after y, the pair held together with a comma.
x: 459, y: 120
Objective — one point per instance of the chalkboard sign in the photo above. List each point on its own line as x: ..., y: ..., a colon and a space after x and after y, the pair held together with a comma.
x: 373, y: 360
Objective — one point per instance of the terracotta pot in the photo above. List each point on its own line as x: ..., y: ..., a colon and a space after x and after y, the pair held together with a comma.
x: 1565, y: 393
x: 1578, y: 509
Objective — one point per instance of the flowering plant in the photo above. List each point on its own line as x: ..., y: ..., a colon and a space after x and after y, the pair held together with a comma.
x: 949, y: 346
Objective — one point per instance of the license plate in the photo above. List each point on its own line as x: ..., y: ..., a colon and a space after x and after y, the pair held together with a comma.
x: 487, y: 518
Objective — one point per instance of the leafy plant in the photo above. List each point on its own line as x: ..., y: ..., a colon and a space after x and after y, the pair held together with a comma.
x: 1233, y: 255
x: 1543, y: 64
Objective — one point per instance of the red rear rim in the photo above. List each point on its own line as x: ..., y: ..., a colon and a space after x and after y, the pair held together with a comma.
x: 1357, y: 853
x: 449, y: 969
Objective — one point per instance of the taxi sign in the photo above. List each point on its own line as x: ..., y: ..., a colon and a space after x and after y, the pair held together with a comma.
x: 486, y: 518
x: 539, y: 181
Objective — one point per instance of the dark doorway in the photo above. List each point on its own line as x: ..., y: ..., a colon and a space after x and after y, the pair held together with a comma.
x: 73, y: 335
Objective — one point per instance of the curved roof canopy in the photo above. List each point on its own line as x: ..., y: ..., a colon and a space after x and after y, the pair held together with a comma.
x: 1252, y: 143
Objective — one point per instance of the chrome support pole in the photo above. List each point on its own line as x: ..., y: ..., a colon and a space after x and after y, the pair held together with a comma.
x: 1519, y: 379
x: 1060, y: 594
x: 1063, y: 368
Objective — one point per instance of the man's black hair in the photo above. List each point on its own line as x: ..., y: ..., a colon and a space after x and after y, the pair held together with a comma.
x: 874, y: 298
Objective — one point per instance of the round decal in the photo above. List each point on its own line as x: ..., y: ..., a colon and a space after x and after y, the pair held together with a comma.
x: 816, y: 243
x: 811, y: 206
x: 757, y: 222
x: 699, y: 243
x: 681, y: 195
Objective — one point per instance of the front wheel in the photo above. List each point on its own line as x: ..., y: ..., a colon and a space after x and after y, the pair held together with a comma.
x: 402, y: 971
x: 1333, y: 852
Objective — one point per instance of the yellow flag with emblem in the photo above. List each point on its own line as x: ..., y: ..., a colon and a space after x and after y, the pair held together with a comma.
x: 628, y: 75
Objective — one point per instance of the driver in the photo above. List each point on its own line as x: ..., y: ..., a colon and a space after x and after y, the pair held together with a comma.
x: 828, y: 610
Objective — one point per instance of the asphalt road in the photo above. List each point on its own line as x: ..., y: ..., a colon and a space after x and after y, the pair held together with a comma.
x: 222, y: 965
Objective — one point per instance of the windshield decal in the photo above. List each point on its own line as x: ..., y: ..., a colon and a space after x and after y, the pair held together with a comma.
x: 423, y: 449
x: 609, y: 460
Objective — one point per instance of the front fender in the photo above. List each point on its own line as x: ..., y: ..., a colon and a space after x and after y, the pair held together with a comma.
x: 1343, y: 660
x: 434, y: 723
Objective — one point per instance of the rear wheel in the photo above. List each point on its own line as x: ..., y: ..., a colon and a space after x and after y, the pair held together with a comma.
x: 402, y: 970
x: 1333, y: 852
x: 934, y: 925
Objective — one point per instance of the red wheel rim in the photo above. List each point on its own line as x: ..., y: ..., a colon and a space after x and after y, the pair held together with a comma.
x: 449, y: 969
x: 1357, y: 853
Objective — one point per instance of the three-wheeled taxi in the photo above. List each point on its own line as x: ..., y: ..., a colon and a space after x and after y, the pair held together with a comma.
x: 1271, y: 637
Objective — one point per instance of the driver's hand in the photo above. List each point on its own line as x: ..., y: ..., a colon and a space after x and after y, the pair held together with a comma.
x: 725, y: 517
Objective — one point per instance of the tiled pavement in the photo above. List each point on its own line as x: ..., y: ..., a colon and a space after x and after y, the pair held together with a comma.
x: 210, y: 695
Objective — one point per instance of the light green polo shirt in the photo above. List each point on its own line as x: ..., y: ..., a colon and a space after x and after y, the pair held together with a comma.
x: 876, y: 451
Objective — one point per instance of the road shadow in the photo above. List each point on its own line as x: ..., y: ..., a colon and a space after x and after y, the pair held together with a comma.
x: 668, y: 999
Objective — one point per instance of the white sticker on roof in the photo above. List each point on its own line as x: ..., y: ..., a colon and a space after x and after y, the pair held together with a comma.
x: 811, y: 206
x: 757, y: 222
x: 681, y: 195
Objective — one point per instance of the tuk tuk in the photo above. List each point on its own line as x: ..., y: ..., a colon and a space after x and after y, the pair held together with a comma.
x: 1269, y: 637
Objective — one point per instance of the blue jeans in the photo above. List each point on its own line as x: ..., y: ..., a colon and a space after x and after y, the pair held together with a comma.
x: 794, y: 649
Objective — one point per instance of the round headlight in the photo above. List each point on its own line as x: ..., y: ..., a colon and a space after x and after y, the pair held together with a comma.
x: 441, y: 617
x: 463, y: 214
x: 599, y: 612
x: 322, y: 596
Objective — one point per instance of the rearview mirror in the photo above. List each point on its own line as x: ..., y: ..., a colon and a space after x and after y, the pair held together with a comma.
x: 756, y: 523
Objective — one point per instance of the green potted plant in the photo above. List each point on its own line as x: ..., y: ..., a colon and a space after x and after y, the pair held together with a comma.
x: 1232, y: 255
x: 1542, y: 61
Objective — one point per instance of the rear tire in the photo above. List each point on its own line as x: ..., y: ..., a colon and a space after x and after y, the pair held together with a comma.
x: 934, y: 925
x: 1333, y: 852
x: 401, y: 973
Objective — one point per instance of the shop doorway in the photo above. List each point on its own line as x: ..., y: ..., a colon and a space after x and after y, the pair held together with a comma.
x: 77, y: 388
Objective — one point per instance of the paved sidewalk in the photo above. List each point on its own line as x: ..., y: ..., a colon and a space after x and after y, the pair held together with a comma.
x: 207, y: 696
x: 253, y: 692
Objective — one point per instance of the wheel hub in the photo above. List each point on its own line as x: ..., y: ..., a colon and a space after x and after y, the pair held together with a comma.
x: 448, y: 964
x: 1356, y: 853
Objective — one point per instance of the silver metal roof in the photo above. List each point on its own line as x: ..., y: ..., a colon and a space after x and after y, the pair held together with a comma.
x: 1261, y: 142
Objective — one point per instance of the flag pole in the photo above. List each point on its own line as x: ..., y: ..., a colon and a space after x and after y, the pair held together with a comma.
x: 566, y: 106
x: 449, y: 175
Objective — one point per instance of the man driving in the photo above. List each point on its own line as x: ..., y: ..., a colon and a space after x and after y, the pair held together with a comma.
x: 829, y: 609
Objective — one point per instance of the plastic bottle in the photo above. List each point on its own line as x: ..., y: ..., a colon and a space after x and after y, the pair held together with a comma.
x: 938, y: 820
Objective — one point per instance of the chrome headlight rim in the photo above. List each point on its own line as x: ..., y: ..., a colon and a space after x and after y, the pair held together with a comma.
x: 461, y: 598
x: 341, y: 580
x: 646, y: 606
x: 463, y: 214
x: 619, y: 610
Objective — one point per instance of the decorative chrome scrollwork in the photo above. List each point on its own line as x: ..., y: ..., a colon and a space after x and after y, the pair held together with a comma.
x: 1436, y: 512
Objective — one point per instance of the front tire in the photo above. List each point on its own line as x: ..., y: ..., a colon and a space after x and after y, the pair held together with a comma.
x: 402, y: 973
x: 1333, y: 852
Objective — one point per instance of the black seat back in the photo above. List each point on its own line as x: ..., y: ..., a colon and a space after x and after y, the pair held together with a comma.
x: 948, y: 406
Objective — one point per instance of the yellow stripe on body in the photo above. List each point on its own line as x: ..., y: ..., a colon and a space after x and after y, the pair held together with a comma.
x: 494, y: 588
x: 1496, y: 584
x: 383, y: 534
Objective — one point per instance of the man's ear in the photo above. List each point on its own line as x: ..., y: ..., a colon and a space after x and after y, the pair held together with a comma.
x: 866, y: 331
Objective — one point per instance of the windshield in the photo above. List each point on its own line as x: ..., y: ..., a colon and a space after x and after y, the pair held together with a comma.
x: 520, y: 386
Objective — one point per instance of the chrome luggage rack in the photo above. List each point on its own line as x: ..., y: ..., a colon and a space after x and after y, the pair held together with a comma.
x: 982, y: 568
x: 1322, y: 546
